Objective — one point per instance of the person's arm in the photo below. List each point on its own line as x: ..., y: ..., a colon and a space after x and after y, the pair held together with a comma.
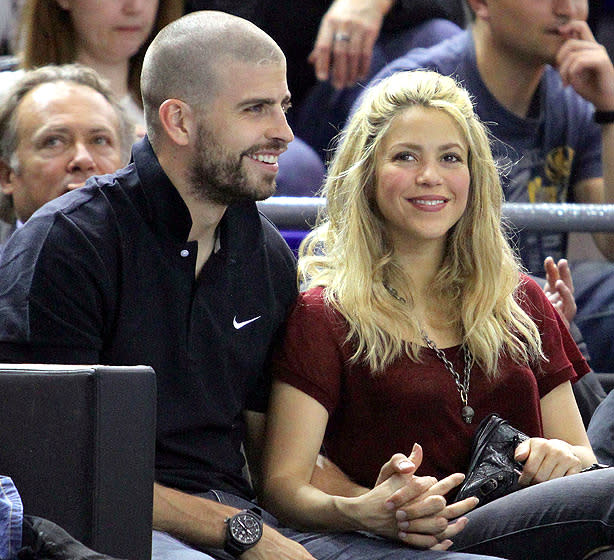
x: 423, y: 521
x: 564, y: 449
x: 295, y: 430
x: 202, y: 522
x: 585, y: 65
x: 255, y: 425
x: 344, y: 44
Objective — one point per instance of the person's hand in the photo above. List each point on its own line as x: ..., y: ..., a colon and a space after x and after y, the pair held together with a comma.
x: 585, y: 65
x: 559, y: 288
x: 426, y: 521
x: 373, y: 511
x: 545, y: 459
x: 344, y: 44
x: 423, y: 518
x: 274, y: 546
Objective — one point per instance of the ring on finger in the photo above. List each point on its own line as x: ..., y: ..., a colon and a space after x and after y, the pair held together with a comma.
x: 340, y: 36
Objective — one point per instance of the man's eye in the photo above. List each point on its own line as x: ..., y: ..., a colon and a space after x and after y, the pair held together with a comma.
x: 102, y: 140
x: 256, y: 108
x: 51, y: 142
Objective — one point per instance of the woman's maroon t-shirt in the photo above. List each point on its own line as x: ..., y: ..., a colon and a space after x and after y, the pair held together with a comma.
x: 373, y: 416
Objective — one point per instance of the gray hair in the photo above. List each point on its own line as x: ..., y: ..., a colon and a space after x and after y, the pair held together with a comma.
x: 182, y: 60
x: 74, y: 73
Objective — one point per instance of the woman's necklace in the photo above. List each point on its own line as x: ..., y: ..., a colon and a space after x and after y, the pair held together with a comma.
x: 463, y: 386
x: 467, y: 412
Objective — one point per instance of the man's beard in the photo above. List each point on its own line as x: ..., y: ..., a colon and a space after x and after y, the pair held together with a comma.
x: 218, y: 176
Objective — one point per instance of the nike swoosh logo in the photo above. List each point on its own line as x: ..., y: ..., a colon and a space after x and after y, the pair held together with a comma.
x: 240, y: 325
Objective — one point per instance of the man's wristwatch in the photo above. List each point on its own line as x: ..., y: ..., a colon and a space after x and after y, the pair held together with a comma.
x: 243, y: 530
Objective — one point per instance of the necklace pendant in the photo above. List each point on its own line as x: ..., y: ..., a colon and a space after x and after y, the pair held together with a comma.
x: 468, y: 414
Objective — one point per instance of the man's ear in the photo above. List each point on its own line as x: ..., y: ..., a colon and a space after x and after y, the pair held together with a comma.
x: 7, y: 184
x: 480, y: 8
x: 177, y: 119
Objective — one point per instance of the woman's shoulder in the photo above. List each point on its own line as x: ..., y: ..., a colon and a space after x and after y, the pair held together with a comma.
x: 314, y: 294
x: 312, y: 301
x: 530, y: 295
x: 528, y: 285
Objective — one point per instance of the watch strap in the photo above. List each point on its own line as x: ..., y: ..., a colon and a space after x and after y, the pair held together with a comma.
x: 604, y: 117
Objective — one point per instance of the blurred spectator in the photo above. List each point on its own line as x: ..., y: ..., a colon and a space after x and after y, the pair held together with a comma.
x: 111, y: 37
x: 9, y: 22
x: 59, y: 125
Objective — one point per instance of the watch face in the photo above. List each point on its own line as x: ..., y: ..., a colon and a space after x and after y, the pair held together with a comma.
x: 245, y: 528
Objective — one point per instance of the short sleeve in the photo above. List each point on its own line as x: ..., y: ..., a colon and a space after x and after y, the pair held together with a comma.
x: 564, y: 359
x: 311, y: 356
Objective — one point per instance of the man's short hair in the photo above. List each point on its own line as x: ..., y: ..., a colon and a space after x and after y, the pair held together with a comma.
x: 10, y: 101
x: 183, y: 59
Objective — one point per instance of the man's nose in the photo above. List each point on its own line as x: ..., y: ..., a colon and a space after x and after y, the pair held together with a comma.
x: 279, y: 127
x: 134, y: 6
x: 82, y: 160
x: 567, y: 9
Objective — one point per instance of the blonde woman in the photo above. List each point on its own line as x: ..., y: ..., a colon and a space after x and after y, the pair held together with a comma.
x: 416, y: 324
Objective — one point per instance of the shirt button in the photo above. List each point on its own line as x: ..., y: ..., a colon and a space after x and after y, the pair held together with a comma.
x: 185, y: 253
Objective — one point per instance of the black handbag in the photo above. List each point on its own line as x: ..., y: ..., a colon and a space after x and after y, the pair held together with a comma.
x: 493, y: 472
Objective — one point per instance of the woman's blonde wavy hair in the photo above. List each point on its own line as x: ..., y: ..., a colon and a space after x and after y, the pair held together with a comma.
x: 351, y: 255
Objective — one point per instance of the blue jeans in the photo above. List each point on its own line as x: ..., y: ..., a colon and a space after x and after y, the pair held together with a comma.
x: 11, y: 518
x: 323, y: 546
x: 565, y: 518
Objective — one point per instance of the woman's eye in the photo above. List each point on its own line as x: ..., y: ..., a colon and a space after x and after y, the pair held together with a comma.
x: 452, y: 158
x: 404, y: 156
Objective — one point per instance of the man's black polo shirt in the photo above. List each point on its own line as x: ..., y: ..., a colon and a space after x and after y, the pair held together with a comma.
x: 105, y: 275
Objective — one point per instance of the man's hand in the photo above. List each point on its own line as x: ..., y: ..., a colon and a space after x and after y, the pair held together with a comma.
x: 344, y: 45
x: 274, y: 546
x: 585, y: 65
x: 559, y: 288
x: 200, y: 521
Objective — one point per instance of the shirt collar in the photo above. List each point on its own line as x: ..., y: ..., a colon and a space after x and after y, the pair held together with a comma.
x: 238, y: 232
x: 165, y: 208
